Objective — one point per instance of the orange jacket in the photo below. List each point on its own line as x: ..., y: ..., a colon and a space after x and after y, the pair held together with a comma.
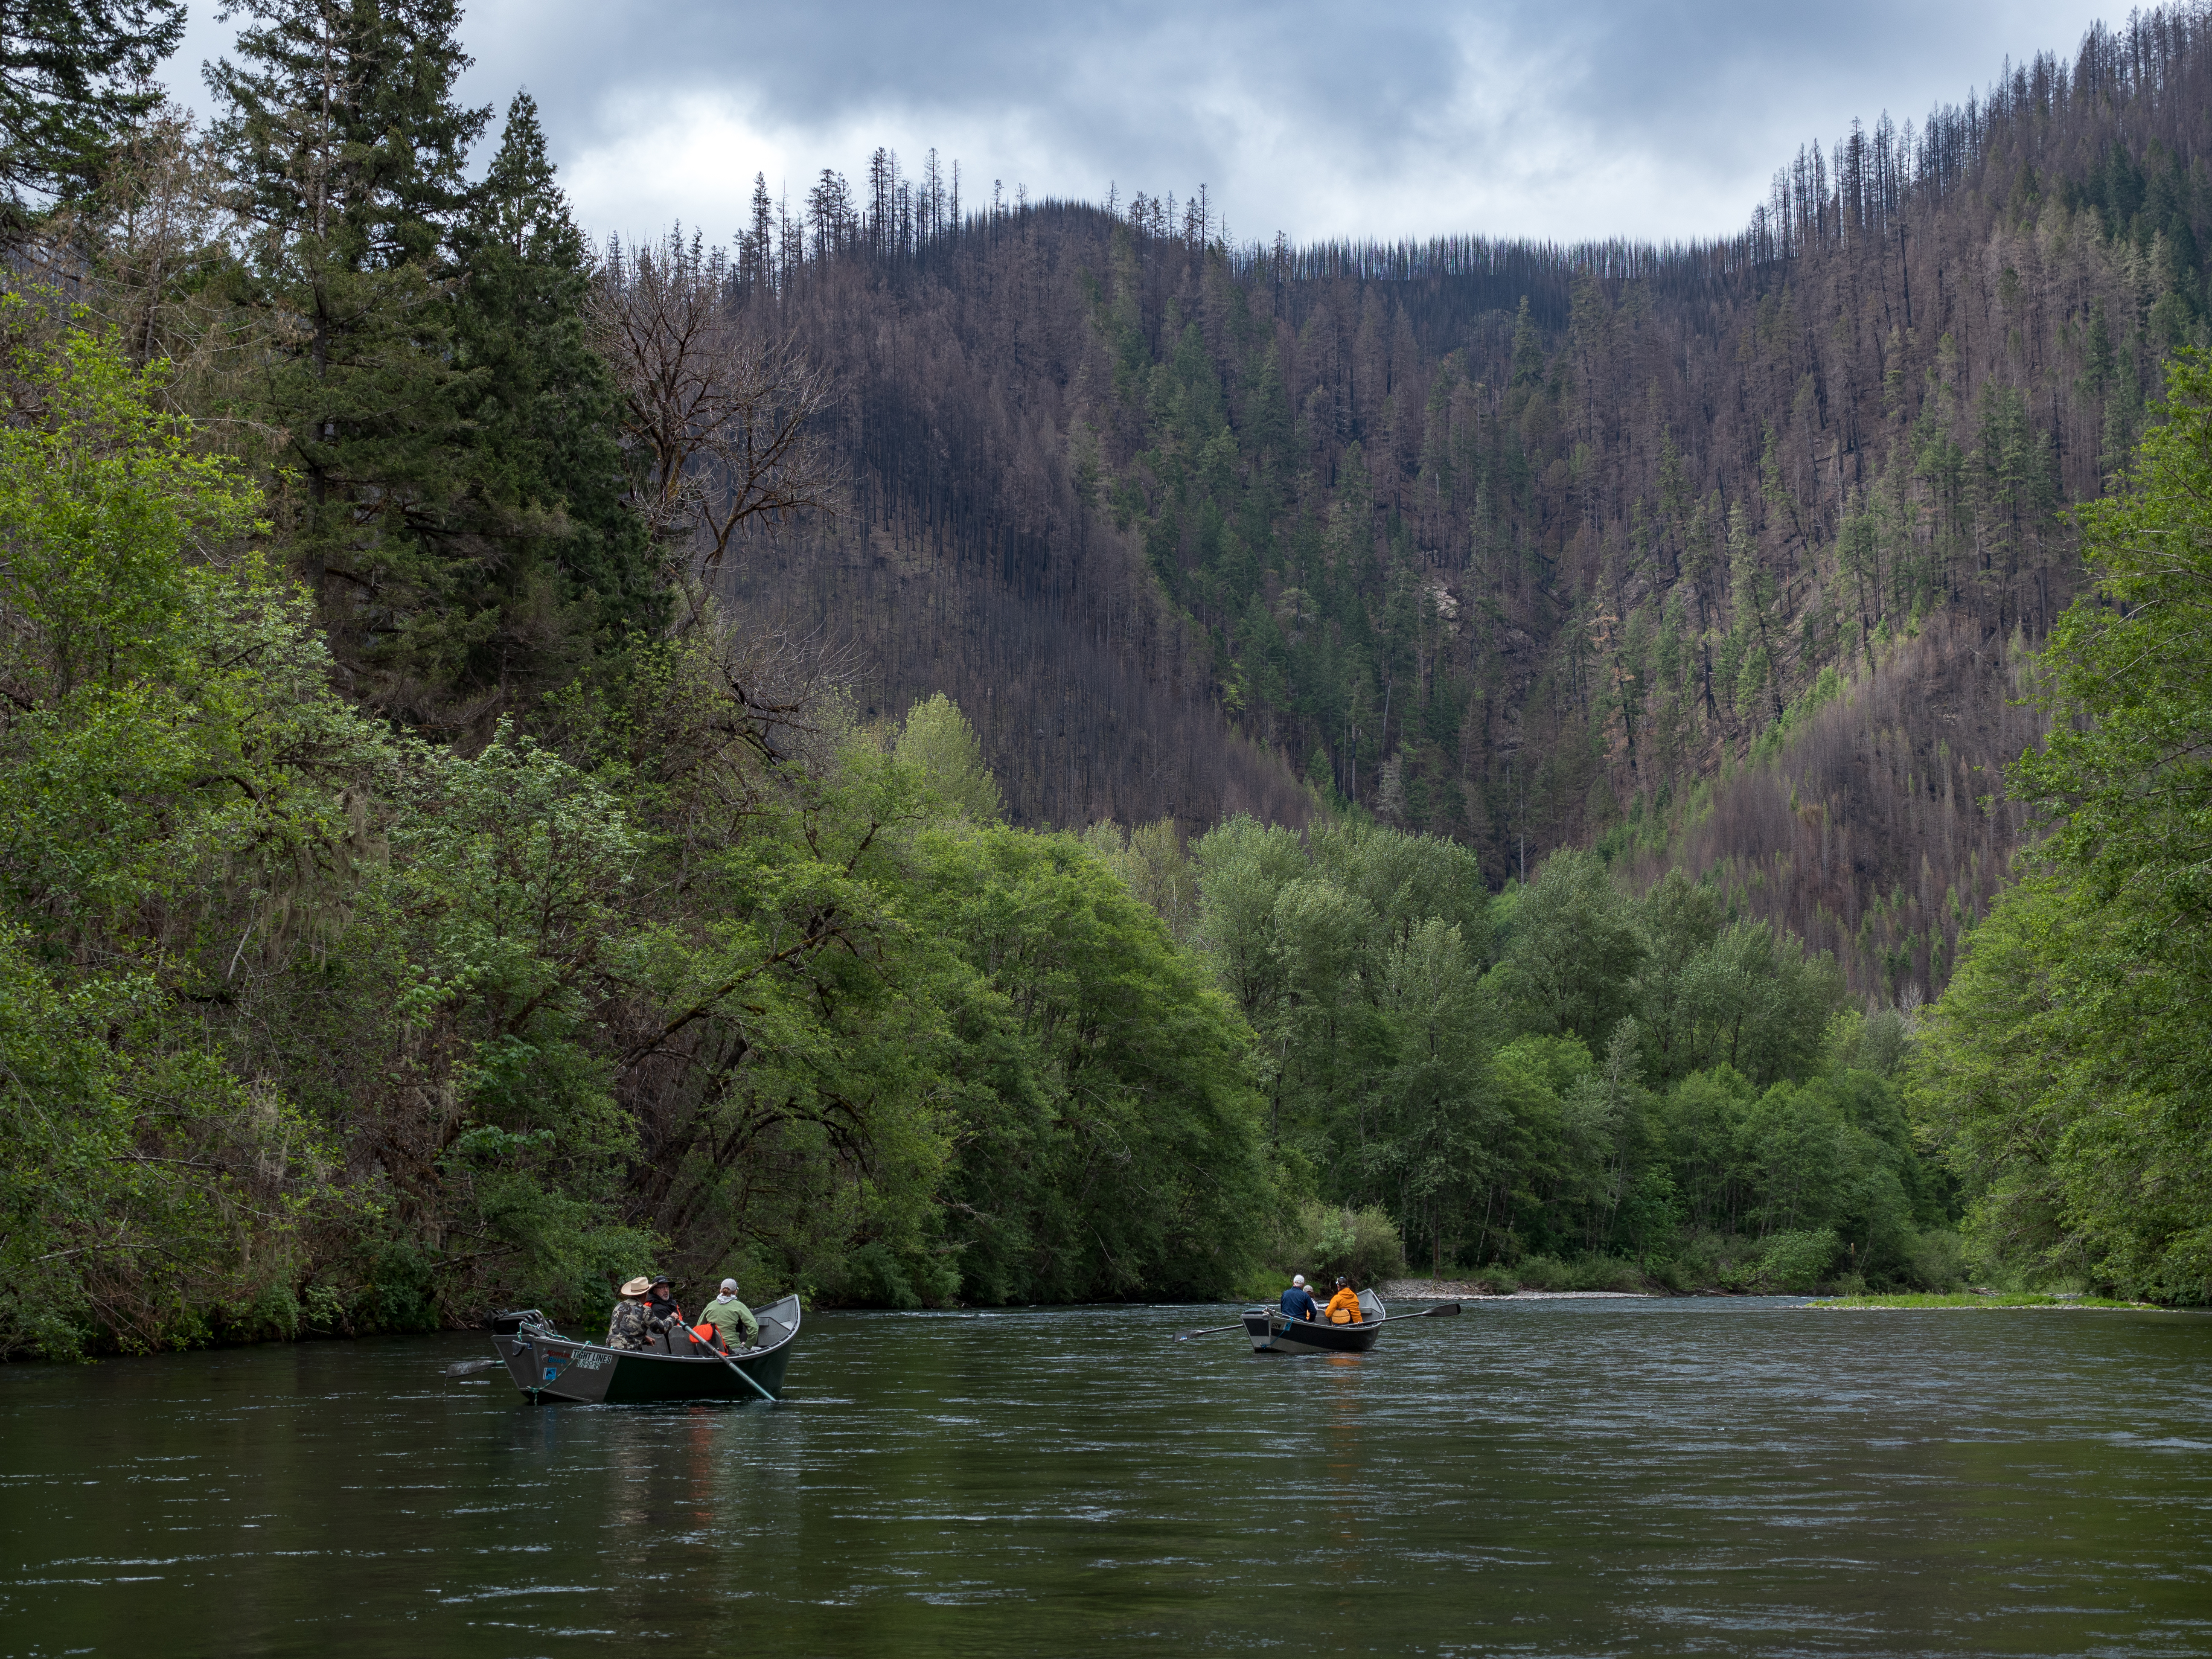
x: 1344, y: 1308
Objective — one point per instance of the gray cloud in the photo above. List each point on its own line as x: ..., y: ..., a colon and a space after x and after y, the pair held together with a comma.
x: 1506, y: 117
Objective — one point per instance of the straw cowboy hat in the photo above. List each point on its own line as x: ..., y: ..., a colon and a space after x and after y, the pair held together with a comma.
x: 637, y: 1287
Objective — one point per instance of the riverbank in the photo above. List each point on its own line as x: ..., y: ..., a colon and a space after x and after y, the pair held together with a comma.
x: 1464, y: 1289
x: 1980, y: 1299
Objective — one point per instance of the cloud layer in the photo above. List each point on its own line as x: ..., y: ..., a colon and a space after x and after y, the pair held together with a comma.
x: 1509, y: 118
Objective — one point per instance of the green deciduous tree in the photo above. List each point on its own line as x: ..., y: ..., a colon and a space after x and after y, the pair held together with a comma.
x: 1572, y: 952
x: 2065, y: 1069
x: 170, y: 758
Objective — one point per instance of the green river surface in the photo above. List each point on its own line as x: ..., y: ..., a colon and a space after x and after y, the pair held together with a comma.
x: 1691, y: 1476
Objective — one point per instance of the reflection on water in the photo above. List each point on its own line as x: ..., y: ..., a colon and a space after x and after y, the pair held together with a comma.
x: 1533, y: 1478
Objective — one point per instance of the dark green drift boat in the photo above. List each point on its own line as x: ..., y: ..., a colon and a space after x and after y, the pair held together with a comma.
x: 546, y: 1365
x: 1270, y: 1333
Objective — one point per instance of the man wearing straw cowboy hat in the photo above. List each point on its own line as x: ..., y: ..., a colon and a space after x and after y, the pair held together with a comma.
x: 632, y: 1326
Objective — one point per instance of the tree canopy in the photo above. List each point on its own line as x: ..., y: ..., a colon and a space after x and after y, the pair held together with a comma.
x: 2065, y: 1070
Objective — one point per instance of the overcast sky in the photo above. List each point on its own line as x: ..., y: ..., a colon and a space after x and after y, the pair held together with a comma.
x: 1510, y: 118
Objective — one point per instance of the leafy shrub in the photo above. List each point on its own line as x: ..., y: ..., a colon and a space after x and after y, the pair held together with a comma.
x: 1325, y: 1241
x: 878, y: 1276
x: 1544, y: 1273
x: 1498, y: 1281
x: 1798, y: 1261
x: 1935, y: 1260
x: 1604, y: 1272
x: 1673, y: 1276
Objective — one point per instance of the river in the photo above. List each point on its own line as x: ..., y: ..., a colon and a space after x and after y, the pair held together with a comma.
x: 1535, y: 1478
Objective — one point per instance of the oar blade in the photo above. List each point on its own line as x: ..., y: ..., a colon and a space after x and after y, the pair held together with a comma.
x: 1444, y: 1311
x: 471, y: 1367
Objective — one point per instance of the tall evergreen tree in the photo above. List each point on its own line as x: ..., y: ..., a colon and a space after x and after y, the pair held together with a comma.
x: 545, y: 478
x: 346, y: 149
x: 73, y: 74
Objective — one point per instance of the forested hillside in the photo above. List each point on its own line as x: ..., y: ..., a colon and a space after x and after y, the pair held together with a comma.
x: 1521, y: 544
x: 415, y: 894
x: 1037, y: 755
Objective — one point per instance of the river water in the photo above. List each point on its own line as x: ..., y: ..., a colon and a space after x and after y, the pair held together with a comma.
x: 1536, y: 1477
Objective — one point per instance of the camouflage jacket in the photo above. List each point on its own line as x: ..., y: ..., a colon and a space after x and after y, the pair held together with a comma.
x: 631, y: 1326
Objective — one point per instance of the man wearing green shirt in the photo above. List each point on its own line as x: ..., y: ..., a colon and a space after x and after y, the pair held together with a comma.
x: 732, y: 1320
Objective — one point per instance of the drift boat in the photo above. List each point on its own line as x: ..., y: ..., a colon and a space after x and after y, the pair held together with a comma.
x: 547, y: 1365
x: 1273, y: 1332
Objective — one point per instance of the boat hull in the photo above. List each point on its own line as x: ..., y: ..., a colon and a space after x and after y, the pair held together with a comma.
x: 1272, y: 1333
x: 549, y: 1367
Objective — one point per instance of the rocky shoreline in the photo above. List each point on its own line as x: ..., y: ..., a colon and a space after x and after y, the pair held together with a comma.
x: 1468, y: 1289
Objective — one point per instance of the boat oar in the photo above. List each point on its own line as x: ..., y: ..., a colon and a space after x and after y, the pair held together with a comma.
x: 738, y: 1371
x: 1211, y: 1330
x: 471, y: 1367
x: 1442, y: 1310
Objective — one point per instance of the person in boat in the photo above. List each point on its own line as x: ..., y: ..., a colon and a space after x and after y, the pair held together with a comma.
x: 660, y: 1301
x: 632, y: 1326
x: 1344, y: 1306
x: 1298, y: 1301
x: 733, y: 1322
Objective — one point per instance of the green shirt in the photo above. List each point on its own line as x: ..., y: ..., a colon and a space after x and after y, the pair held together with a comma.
x: 727, y: 1315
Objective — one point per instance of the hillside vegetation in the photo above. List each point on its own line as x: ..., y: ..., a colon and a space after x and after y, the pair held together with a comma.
x: 1035, y: 755
x: 1517, y: 544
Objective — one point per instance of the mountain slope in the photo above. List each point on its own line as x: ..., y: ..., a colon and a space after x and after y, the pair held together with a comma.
x: 1512, y: 544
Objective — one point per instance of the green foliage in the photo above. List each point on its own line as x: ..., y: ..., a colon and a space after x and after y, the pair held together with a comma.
x: 2064, y: 1072
x: 74, y: 75
x: 1326, y: 1241
x: 1798, y: 1260
x: 936, y: 741
x: 444, y: 473
x: 1572, y: 952
x: 306, y: 1026
x: 1322, y: 1241
x: 166, y: 722
x: 544, y: 488
x: 1355, y: 955
x: 1613, y: 1082
x: 1107, y: 1140
x: 1153, y: 863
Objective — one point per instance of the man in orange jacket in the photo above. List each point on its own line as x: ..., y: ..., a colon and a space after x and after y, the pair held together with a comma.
x: 1344, y: 1307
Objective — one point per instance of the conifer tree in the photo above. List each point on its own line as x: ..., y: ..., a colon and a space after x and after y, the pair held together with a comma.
x: 345, y: 149
x: 74, y: 73
x: 545, y: 478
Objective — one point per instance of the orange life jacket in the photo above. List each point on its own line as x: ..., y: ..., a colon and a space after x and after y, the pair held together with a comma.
x: 1344, y: 1308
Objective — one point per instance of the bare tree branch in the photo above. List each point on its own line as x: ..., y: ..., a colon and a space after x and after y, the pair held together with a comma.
x: 722, y: 422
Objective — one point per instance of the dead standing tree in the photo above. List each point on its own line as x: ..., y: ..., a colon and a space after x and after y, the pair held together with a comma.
x: 722, y: 422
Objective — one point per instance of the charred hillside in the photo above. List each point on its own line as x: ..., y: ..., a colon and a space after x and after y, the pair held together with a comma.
x: 1521, y: 544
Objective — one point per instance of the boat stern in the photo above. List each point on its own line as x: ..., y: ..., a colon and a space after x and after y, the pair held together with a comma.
x: 547, y: 1367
